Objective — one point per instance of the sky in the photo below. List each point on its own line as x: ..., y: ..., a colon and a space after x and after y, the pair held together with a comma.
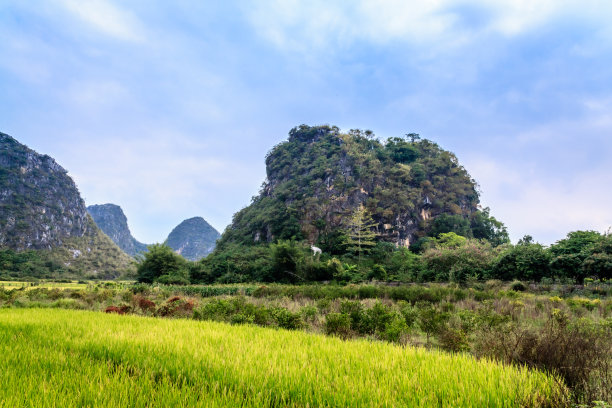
x: 169, y: 108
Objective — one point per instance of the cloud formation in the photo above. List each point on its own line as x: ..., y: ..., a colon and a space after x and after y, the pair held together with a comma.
x: 168, y: 109
x: 107, y: 18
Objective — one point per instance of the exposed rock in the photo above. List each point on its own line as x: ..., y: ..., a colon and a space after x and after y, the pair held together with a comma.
x: 41, y: 209
x: 113, y: 222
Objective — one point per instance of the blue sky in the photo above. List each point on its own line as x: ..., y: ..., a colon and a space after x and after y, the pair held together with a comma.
x: 168, y: 108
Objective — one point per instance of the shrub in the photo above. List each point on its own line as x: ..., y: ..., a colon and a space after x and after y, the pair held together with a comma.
x: 117, y: 309
x: 69, y: 304
x: 285, y: 319
x: 395, y: 330
x: 338, y: 324
x: 144, y: 304
x: 409, y: 312
x: 354, y: 309
x: 368, y: 292
x: 453, y: 339
x: 217, y: 309
x: 378, y: 317
x: 309, y: 313
x: 578, y: 351
x: 431, y: 320
x: 241, y: 319
x: 518, y: 286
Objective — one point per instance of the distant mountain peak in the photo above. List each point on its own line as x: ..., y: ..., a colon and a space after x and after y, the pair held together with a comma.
x: 112, y: 220
x: 194, y: 238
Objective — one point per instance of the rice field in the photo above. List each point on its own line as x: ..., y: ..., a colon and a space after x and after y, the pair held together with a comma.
x: 9, y: 285
x: 58, y: 358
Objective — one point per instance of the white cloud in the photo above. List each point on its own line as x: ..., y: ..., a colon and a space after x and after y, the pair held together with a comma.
x: 318, y: 24
x: 107, y: 18
x: 546, y: 208
x: 159, y: 177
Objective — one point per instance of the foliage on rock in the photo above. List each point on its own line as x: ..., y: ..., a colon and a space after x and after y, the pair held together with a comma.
x: 319, y: 178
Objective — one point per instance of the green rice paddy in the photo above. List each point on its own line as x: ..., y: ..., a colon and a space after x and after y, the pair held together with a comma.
x: 61, y: 358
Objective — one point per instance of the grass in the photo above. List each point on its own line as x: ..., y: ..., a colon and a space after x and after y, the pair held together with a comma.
x: 55, y: 357
x: 8, y: 285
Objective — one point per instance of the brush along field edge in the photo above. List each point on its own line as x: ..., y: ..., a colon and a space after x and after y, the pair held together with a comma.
x: 79, y: 358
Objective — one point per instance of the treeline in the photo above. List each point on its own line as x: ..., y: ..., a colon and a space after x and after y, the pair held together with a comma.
x: 448, y: 258
x: 18, y: 265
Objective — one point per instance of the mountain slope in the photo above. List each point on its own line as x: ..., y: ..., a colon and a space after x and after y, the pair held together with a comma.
x: 113, y: 222
x: 41, y: 209
x: 319, y: 178
x: 193, y: 238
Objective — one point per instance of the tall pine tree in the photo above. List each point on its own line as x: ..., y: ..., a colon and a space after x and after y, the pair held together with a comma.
x: 360, y: 236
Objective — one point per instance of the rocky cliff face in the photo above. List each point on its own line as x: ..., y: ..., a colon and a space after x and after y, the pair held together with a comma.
x: 40, y: 204
x: 193, y: 238
x: 41, y: 209
x: 320, y: 176
x: 113, y: 222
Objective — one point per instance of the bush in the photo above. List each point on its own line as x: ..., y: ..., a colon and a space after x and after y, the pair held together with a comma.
x: 354, y: 309
x: 430, y: 320
x: 518, y: 286
x: 395, y: 330
x: 338, y: 324
x: 409, y: 312
x: 217, y: 310
x: 578, y: 352
x: 309, y: 313
x: 285, y: 319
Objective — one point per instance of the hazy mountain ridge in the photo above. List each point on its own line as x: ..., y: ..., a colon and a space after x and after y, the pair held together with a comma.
x: 193, y: 238
x: 42, y: 209
x: 113, y: 222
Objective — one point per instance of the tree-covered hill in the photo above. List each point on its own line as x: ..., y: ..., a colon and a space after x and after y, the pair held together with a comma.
x: 323, y: 186
x: 41, y: 210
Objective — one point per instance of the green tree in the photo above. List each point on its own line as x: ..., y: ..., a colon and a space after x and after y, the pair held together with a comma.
x: 360, y: 236
x: 599, y: 263
x: 456, y: 264
x: 162, y: 263
x: 400, y: 150
x: 524, y: 261
x: 451, y: 223
x: 569, y: 254
x: 450, y: 240
x: 286, y: 259
x: 485, y: 226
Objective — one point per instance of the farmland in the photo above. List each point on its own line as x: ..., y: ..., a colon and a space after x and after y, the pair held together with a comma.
x: 564, y: 330
x: 58, y: 357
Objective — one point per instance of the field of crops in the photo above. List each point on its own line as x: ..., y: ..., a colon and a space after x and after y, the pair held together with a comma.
x: 56, y: 357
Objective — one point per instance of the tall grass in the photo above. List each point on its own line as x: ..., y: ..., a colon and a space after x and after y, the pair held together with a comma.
x: 79, y: 358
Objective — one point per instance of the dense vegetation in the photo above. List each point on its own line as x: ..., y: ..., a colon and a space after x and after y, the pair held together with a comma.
x: 69, y: 358
x: 320, y: 178
x: 93, y: 256
x: 582, y: 255
x: 562, y: 329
